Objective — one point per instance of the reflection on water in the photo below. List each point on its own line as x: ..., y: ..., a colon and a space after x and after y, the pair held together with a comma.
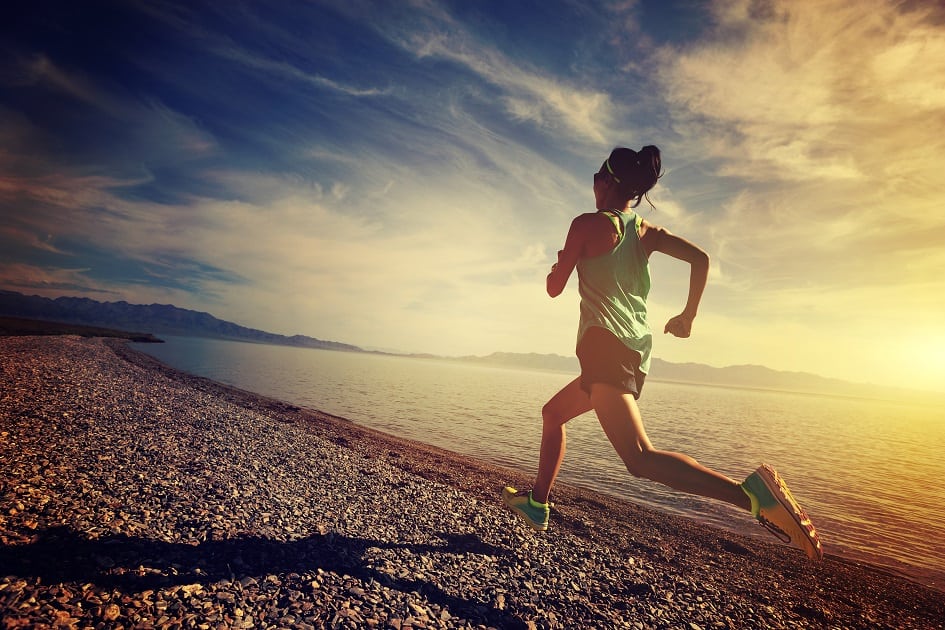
x: 869, y: 472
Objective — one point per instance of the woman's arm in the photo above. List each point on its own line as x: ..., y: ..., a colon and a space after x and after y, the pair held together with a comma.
x: 657, y: 239
x: 567, y: 257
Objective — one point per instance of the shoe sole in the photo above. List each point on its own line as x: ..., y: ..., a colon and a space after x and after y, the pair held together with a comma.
x: 782, y: 494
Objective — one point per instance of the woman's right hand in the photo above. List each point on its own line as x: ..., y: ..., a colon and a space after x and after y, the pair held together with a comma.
x: 679, y: 326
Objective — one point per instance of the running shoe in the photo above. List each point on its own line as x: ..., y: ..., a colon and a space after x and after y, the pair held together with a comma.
x: 775, y: 508
x: 521, y: 502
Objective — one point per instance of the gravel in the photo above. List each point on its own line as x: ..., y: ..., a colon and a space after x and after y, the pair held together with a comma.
x: 133, y: 495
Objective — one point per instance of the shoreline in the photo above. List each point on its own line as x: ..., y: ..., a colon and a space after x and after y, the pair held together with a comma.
x: 633, y: 565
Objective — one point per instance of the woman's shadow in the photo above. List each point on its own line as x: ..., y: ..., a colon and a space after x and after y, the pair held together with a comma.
x: 134, y: 564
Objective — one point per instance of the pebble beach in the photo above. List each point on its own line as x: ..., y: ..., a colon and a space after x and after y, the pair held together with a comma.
x: 133, y: 495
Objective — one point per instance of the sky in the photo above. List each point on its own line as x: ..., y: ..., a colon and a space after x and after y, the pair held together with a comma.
x: 400, y: 175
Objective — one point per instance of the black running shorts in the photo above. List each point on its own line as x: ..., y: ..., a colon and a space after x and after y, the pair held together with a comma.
x: 605, y: 359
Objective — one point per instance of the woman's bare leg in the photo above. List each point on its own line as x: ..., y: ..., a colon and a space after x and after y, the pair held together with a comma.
x: 620, y: 418
x: 568, y: 403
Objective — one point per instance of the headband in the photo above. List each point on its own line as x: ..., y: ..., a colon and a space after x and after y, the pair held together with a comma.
x: 611, y: 171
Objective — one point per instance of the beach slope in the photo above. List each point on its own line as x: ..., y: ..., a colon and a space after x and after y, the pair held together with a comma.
x: 132, y: 495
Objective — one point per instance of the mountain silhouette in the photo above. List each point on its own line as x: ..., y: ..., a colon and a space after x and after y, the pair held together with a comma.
x: 155, y: 318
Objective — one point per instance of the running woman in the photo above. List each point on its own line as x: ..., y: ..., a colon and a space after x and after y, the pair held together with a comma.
x: 611, y: 249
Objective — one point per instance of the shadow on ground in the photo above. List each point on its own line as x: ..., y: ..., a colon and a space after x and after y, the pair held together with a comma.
x: 134, y: 564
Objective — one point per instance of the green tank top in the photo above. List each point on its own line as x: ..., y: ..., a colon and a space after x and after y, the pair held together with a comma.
x: 614, y: 286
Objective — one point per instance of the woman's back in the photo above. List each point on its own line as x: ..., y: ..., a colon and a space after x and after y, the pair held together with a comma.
x: 614, y: 283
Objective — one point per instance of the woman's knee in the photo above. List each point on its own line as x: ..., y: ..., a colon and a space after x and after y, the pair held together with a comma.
x: 638, y: 461
x: 551, y: 415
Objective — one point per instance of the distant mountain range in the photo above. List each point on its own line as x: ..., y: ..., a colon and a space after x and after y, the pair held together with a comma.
x: 171, y: 320
x: 747, y: 376
x: 161, y: 319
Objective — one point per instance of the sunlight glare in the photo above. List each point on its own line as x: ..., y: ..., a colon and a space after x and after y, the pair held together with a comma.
x: 926, y: 359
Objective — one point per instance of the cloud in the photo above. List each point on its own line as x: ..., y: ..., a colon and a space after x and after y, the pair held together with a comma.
x: 39, y: 70
x: 50, y: 282
x: 808, y: 106
x: 62, y: 190
x: 807, y: 89
x: 274, y: 36
x: 128, y: 129
x: 527, y: 92
x: 28, y: 239
x: 291, y: 72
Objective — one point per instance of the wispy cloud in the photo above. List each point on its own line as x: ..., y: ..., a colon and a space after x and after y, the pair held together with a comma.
x: 291, y: 72
x: 809, y: 90
x: 804, y: 96
x: 51, y: 282
x: 27, y: 238
x: 61, y: 190
x: 143, y: 127
x: 40, y: 70
x: 278, y: 37
x: 528, y: 93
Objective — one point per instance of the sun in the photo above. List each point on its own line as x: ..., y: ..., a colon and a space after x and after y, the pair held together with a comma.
x: 925, y: 361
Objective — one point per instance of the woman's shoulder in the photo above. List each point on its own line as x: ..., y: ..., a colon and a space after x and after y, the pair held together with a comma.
x: 586, y: 224
x: 592, y: 220
x: 585, y: 217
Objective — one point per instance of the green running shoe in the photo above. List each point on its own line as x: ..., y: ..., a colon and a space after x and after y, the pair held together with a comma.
x: 521, y: 502
x: 775, y: 508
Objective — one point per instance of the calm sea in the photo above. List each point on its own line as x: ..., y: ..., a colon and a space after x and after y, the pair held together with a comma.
x: 869, y: 472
